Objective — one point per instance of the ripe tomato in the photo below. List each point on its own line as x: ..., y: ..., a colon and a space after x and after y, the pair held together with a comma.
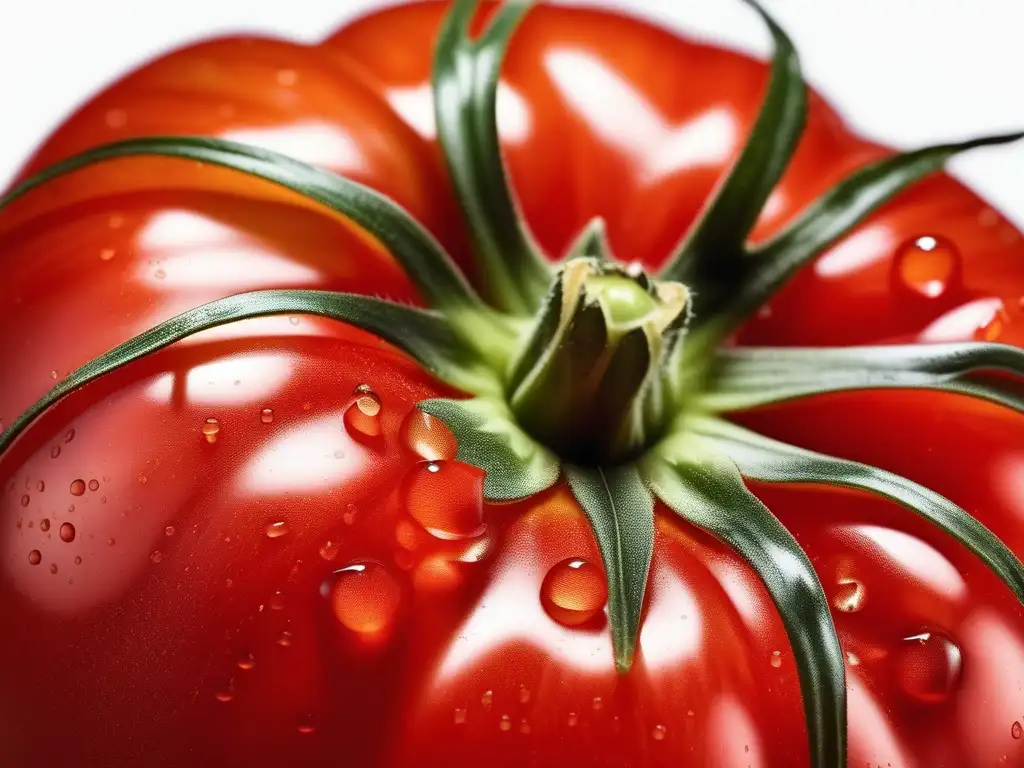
x: 201, y: 567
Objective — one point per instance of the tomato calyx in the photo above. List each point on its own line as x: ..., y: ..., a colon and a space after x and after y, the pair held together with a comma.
x: 621, y: 384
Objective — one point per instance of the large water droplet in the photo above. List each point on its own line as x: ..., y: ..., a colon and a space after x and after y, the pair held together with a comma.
x: 67, y: 532
x: 427, y: 437
x: 849, y: 596
x: 365, y: 597
x: 927, y: 266
x: 574, y: 592
x: 35, y: 557
x: 211, y: 428
x: 77, y: 487
x: 446, y: 498
x: 929, y: 666
x: 362, y: 418
x: 277, y: 529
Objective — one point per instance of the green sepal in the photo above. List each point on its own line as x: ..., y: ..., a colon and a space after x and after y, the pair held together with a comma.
x: 704, y: 488
x: 712, y: 252
x: 590, y: 243
x: 621, y: 512
x: 512, y: 272
x: 516, y: 465
x: 422, y: 258
x: 834, y: 215
x: 770, y: 461
x: 423, y: 334
x: 749, y: 377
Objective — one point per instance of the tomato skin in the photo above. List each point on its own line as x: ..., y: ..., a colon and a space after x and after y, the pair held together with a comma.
x: 129, y: 660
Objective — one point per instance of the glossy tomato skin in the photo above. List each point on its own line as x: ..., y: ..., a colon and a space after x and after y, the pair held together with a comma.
x: 214, y: 629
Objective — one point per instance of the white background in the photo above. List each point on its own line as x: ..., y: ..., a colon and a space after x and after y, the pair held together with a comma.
x: 907, y: 72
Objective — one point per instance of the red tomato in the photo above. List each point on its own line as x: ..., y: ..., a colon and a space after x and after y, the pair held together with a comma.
x: 201, y: 567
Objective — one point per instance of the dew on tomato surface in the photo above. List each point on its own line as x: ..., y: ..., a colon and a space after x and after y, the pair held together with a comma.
x: 524, y: 694
x: 852, y: 659
x: 596, y: 703
x: 106, y: 254
x: 487, y: 698
x: 94, y: 485
x: 67, y: 532
x: 246, y: 661
x: 111, y: 542
x: 25, y: 500
x: 277, y: 601
x: 53, y: 568
x: 156, y: 556
x: 505, y: 723
x: 55, y: 452
x: 928, y: 667
x: 329, y: 550
x: 77, y: 487
x: 227, y: 693
x: 573, y: 719
x: 285, y: 638
x: 775, y: 659
x: 524, y: 726
x: 349, y: 515
x: 35, y: 557
x: 928, y: 266
x: 44, y: 525
x: 363, y: 416
x: 849, y: 596
x: 169, y: 530
x: 277, y: 529
x: 305, y: 725
x: 428, y: 437
x: 459, y: 716
x: 69, y: 436
x: 40, y: 486
x: 267, y: 415
x: 1016, y: 730
x: 574, y: 591
x: 659, y: 732
x: 78, y: 560
x: 446, y: 498
x: 211, y: 428
x: 365, y: 597
x: 993, y: 329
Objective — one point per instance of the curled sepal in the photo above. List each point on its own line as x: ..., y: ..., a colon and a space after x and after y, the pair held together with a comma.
x: 770, y: 461
x: 713, y: 251
x: 423, y: 334
x: 515, y: 464
x: 753, y: 376
x: 512, y: 272
x: 704, y: 488
x: 422, y: 258
x: 825, y: 221
x: 621, y: 512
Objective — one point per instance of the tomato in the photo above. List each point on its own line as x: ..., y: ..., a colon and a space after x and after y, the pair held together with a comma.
x: 221, y: 554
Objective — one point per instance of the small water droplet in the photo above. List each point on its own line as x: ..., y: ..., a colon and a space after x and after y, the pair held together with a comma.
x: 524, y: 694
x: 1016, y: 730
x: 329, y: 550
x: 597, y: 703
x: 25, y: 500
x: 227, y: 693
x: 363, y: 416
x: 69, y: 436
x: 77, y: 487
x: 106, y: 254
x: 44, y: 525
x: 116, y: 118
x: 573, y: 719
x: 53, y: 375
x: 305, y: 725
x: 285, y: 638
x: 277, y: 529
x: 574, y: 592
x: 659, y: 732
x: 211, y: 428
x: 246, y: 661
x: 488, y: 698
x: 849, y: 597
x: 143, y: 479
x: 524, y: 727
x: 775, y: 659
x: 277, y: 601
x: 156, y: 556
x: 55, y: 452
x: 78, y: 560
x: 446, y: 498
x: 35, y: 557
x: 67, y: 532
x: 53, y: 568
x: 94, y: 485
x: 427, y: 437
x: 929, y: 666
x: 365, y: 597
x: 160, y: 274
x: 169, y: 530
x: 40, y: 486
x: 505, y: 723
x: 459, y: 716
x: 267, y: 415
x: 993, y: 329
x: 350, y: 514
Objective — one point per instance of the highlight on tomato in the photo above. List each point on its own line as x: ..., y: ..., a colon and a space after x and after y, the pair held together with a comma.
x: 491, y: 384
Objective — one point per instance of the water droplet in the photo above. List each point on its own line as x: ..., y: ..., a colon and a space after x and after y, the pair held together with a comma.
x: 365, y: 597
x: 277, y: 601
x: 427, y: 437
x: 67, y: 532
x: 106, y: 254
x: 775, y: 659
x: 849, y: 597
x: 44, y: 525
x: 267, y: 415
x: 927, y: 266
x: 350, y: 514
x: 363, y: 416
x: 929, y: 666
x: 156, y: 556
x: 287, y: 77
x: 852, y: 659
x: 25, y: 500
x: 285, y: 638
x: 659, y: 732
x: 446, y: 498
x: 574, y: 592
x: 40, y: 486
x: 488, y: 698
x: 77, y: 487
x: 69, y: 436
x: 993, y: 329
x: 305, y: 725
x: 246, y: 661
x: 169, y: 530
x: 277, y: 529
x: 160, y: 274
x: 505, y: 723
x: 211, y: 427
x: 459, y: 716
x: 329, y: 550
x: 227, y: 693
x: 53, y: 568
x: 1015, y: 730
x: 524, y: 694
x: 53, y: 375
x: 573, y: 719
x: 78, y: 560
x: 524, y: 727
x: 110, y: 542
x: 143, y: 479
x: 94, y: 485
x: 55, y: 452
x: 35, y: 557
